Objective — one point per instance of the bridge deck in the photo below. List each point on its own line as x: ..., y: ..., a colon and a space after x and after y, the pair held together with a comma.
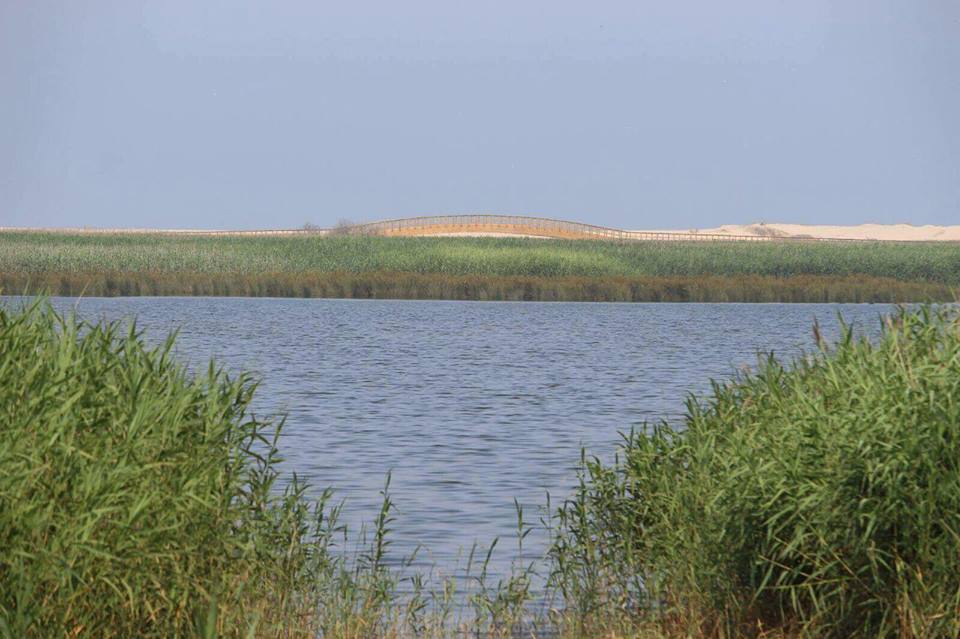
x: 523, y: 226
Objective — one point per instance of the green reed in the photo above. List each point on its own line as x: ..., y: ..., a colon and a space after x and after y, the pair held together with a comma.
x: 400, y: 285
x: 62, y: 253
x: 477, y: 268
x: 817, y: 499
x: 138, y: 500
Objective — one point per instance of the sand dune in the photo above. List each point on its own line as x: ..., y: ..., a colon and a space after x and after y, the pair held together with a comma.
x: 895, y: 232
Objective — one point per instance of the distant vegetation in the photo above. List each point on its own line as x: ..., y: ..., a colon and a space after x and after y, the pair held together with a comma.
x: 477, y: 268
x: 819, y: 499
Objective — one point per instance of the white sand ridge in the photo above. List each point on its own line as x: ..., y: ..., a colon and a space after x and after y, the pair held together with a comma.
x: 888, y: 232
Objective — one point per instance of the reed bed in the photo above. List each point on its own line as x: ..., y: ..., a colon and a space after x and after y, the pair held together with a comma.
x: 817, y: 498
x: 136, y: 499
x: 58, y: 253
x: 389, y: 285
x: 477, y: 268
x: 820, y: 499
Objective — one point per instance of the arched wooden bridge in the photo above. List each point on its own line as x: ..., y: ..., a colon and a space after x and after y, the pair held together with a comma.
x: 518, y: 225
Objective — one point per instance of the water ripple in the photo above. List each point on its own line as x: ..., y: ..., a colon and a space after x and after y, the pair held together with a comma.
x: 469, y: 405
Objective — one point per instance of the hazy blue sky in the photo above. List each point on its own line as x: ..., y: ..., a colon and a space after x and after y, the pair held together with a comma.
x: 234, y: 114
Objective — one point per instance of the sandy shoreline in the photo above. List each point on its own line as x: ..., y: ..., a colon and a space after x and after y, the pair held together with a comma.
x: 883, y: 232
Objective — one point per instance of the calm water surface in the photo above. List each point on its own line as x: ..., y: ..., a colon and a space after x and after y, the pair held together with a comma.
x: 468, y: 404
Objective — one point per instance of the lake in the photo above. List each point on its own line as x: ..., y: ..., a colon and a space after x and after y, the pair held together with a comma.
x: 468, y: 404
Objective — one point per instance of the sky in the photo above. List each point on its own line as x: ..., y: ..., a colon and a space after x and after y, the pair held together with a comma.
x: 239, y: 114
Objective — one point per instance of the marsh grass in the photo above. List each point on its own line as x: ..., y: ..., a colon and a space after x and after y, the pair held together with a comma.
x: 477, y: 268
x: 138, y: 500
x: 818, y: 499
x: 437, y: 286
x: 63, y: 253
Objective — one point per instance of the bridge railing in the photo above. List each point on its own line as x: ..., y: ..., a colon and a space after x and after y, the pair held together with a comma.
x: 541, y: 226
